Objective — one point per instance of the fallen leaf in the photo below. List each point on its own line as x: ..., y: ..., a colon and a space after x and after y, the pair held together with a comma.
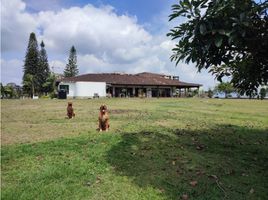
x: 213, y: 176
x: 98, y: 179
x: 199, y: 172
x: 193, y: 183
x: 244, y: 174
x: 88, y: 184
x: 230, y: 172
x: 39, y: 157
x: 185, y: 197
x: 200, y: 147
x: 162, y: 190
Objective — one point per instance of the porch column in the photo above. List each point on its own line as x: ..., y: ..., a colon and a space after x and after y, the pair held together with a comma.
x: 133, y: 92
x: 113, y: 91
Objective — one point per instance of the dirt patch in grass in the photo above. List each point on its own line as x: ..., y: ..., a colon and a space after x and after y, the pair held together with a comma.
x: 123, y: 111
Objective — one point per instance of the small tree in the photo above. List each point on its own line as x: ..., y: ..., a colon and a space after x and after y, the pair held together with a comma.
x: 9, y: 91
x: 262, y: 93
x: 29, y: 84
x: 71, y: 68
x: 49, y: 85
x: 210, y: 93
x: 226, y: 88
x: 195, y: 92
x: 3, y: 94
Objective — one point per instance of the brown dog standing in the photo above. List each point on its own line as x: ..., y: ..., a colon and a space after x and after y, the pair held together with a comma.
x: 70, y: 110
x: 103, y: 119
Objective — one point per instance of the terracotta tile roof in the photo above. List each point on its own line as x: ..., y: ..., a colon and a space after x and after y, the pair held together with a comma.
x: 144, y: 78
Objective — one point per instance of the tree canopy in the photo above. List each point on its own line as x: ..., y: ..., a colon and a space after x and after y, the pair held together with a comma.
x: 43, y: 71
x: 225, y: 87
x: 228, y: 37
x: 31, y: 64
x: 71, y: 68
x: 36, y: 69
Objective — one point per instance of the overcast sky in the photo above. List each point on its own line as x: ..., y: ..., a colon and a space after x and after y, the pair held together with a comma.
x: 109, y: 36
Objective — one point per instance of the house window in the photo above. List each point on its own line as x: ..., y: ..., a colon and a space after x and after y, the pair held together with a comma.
x: 65, y: 88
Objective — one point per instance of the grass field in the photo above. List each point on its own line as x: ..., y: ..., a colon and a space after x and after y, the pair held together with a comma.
x: 156, y: 149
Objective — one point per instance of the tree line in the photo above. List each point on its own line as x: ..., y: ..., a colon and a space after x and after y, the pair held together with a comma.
x: 38, y: 79
x: 227, y: 88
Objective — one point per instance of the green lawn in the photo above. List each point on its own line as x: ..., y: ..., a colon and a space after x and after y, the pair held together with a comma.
x: 156, y: 149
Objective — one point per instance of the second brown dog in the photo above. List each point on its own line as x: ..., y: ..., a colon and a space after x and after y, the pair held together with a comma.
x: 103, y: 118
x: 70, y: 110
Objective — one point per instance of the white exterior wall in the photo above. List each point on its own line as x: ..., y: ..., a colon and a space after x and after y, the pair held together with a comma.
x: 71, y: 89
x: 85, y: 89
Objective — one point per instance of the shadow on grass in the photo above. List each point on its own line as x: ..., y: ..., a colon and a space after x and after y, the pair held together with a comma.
x: 223, y: 162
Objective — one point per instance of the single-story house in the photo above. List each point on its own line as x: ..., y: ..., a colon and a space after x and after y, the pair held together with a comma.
x: 124, y: 85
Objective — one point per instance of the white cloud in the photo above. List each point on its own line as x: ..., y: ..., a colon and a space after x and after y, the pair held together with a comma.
x: 105, y: 41
x: 16, y: 25
x: 91, y: 30
x: 11, y: 71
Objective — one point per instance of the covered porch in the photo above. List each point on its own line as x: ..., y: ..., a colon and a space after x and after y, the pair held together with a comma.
x: 148, y: 91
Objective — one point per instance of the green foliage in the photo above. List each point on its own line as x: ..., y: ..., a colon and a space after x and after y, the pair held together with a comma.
x: 29, y: 83
x: 262, y: 93
x: 10, y: 91
x: 71, y: 68
x: 30, y: 67
x: 36, y: 68
x: 43, y: 70
x: 210, y: 93
x: 2, y: 91
x: 225, y: 87
x: 195, y: 92
x: 49, y: 85
x: 229, y: 37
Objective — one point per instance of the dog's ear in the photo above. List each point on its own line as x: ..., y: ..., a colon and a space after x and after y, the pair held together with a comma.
x: 103, y: 107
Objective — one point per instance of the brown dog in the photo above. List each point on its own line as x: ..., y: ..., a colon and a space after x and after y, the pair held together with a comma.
x: 103, y: 118
x: 70, y: 110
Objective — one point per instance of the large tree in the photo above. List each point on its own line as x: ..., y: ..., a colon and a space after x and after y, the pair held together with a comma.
x: 31, y: 65
x: 43, y: 69
x: 71, y: 68
x: 228, y: 37
x: 225, y: 87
